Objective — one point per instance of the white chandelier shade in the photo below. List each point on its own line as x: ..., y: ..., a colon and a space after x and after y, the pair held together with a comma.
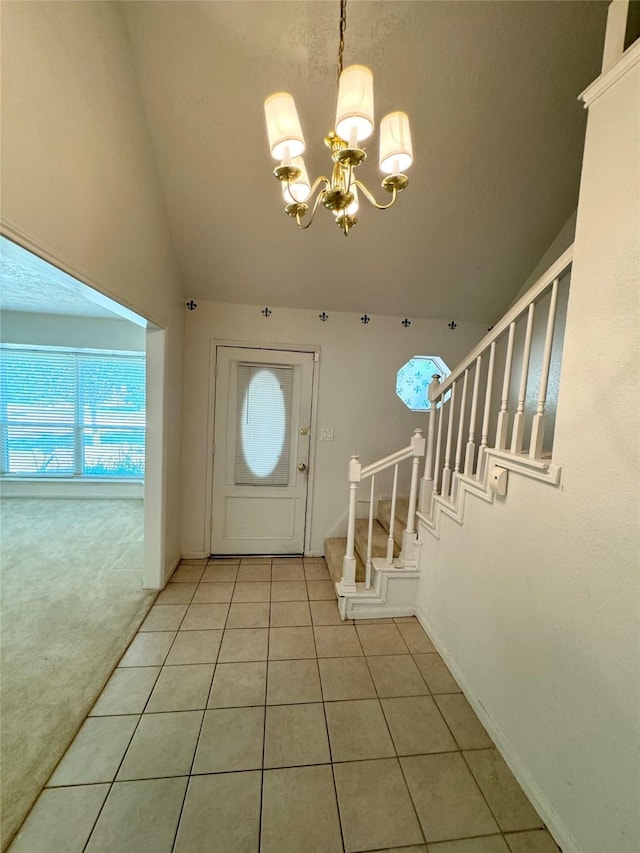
x: 298, y: 189
x: 283, y: 127
x: 354, y: 114
x: 354, y: 207
x: 396, y: 150
x: 341, y: 191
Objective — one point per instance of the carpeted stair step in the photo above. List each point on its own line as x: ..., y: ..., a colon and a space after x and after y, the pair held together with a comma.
x: 334, y: 551
x: 379, y: 538
x: 402, y: 511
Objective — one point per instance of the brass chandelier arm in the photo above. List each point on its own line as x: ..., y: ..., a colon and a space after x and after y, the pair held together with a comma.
x: 316, y: 184
x: 316, y: 204
x: 371, y: 199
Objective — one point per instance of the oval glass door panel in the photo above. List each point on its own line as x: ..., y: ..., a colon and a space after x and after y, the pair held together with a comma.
x: 264, y: 397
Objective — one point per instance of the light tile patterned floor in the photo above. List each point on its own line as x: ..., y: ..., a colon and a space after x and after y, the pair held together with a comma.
x: 246, y: 717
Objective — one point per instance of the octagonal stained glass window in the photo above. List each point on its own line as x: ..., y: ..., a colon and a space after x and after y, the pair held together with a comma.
x: 413, y: 378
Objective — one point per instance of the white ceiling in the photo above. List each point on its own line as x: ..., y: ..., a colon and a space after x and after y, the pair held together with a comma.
x: 31, y: 285
x: 491, y: 89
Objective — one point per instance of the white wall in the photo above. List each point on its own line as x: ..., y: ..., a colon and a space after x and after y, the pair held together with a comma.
x: 534, y: 601
x: 357, y: 371
x: 55, y: 330
x: 23, y: 327
x: 560, y: 244
x: 78, y: 179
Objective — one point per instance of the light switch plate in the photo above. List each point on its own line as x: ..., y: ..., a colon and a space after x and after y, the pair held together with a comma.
x: 326, y: 434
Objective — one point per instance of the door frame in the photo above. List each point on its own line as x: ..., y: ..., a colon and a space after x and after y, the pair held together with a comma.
x: 154, y: 573
x: 214, y: 343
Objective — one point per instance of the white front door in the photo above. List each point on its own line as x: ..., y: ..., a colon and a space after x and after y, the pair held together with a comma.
x: 262, y: 426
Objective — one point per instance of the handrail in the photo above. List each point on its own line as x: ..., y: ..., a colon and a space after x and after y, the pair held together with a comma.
x: 546, y: 280
x: 386, y: 462
x: 356, y: 474
x: 491, y: 372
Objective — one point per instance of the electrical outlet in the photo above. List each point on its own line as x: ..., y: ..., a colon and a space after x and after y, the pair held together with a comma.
x: 326, y: 434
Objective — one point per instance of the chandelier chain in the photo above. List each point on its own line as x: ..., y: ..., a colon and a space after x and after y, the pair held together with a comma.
x: 354, y: 123
x: 343, y: 27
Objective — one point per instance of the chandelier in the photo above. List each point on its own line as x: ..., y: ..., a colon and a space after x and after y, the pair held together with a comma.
x: 354, y: 124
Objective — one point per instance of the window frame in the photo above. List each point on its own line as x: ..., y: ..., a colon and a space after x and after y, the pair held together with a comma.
x: 79, y: 425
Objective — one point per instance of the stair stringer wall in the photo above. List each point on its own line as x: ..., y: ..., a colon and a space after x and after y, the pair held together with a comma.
x: 537, y: 797
x: 392, y: 594
x: 463, y: 485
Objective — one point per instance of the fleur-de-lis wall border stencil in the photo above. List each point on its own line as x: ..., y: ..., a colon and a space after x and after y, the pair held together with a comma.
x: 453, y: 325
x: 191, y: 305
x: 324, y: 316
x: 406, y: 322
x: 365, y: 319
x: 266, y: 312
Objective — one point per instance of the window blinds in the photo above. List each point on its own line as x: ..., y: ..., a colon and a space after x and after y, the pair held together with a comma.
x: 72, y: 412
x: 263, y: 427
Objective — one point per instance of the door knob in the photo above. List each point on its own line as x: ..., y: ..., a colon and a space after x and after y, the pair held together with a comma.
x: 302, y: 467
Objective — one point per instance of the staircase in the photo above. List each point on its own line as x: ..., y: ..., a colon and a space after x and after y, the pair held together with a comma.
x: 490, y: 416
x: 391, y: 589
x: 335, y: 548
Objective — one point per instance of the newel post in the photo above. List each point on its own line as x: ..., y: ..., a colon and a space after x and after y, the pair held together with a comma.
x: 348, y: 582
x: 426, y: 484
x: 409, y: 536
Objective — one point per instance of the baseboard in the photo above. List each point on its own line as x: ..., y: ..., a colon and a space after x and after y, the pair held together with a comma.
x: 174, y: 565
x: 554, y: 823
x: 380, y: 612
x: 202, y: 555
x: 71, y: 489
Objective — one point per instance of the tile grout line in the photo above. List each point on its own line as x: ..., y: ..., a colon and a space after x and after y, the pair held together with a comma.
x: 326, y: 725
x: 204, y: 713
x: 87, y: 716
x: 284, y: 766
x: 115, y: 775
x: 113, y: 781
x: 482, y: 794
x: 313, y: 626
x: 393, y: 743
x: 264, y: 725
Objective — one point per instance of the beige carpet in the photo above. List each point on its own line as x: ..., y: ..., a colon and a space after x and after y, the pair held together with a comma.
x: 71, y: 599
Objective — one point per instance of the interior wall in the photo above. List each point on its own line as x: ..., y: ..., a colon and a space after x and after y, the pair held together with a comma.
x: 534, y: 600
x: 356, y: 395
x: 79, y: 185
x: 26, y: 327
x: 55, y: 330
x: 559, y: 245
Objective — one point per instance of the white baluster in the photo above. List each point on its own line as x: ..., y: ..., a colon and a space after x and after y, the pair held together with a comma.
x: 469, y: 457
x: 409, y: 536
x: 503, y: 415
x: 487, y: 408
x: 436, y: 460
x: 392, y: 517
x: 463, y: 403
x: 537, y: 428
x: 426, y: 487
x: 367, y: 577
x: 417, y: 442
x: 348, y: 582
x: 518, y: 421
x: 446, y: 471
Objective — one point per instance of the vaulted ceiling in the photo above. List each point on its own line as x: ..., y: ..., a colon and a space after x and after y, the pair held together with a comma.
x: 491, y: 89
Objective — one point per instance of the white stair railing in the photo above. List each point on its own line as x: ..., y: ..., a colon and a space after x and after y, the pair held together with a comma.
x: 515, y: 346
x: 358, y: 474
